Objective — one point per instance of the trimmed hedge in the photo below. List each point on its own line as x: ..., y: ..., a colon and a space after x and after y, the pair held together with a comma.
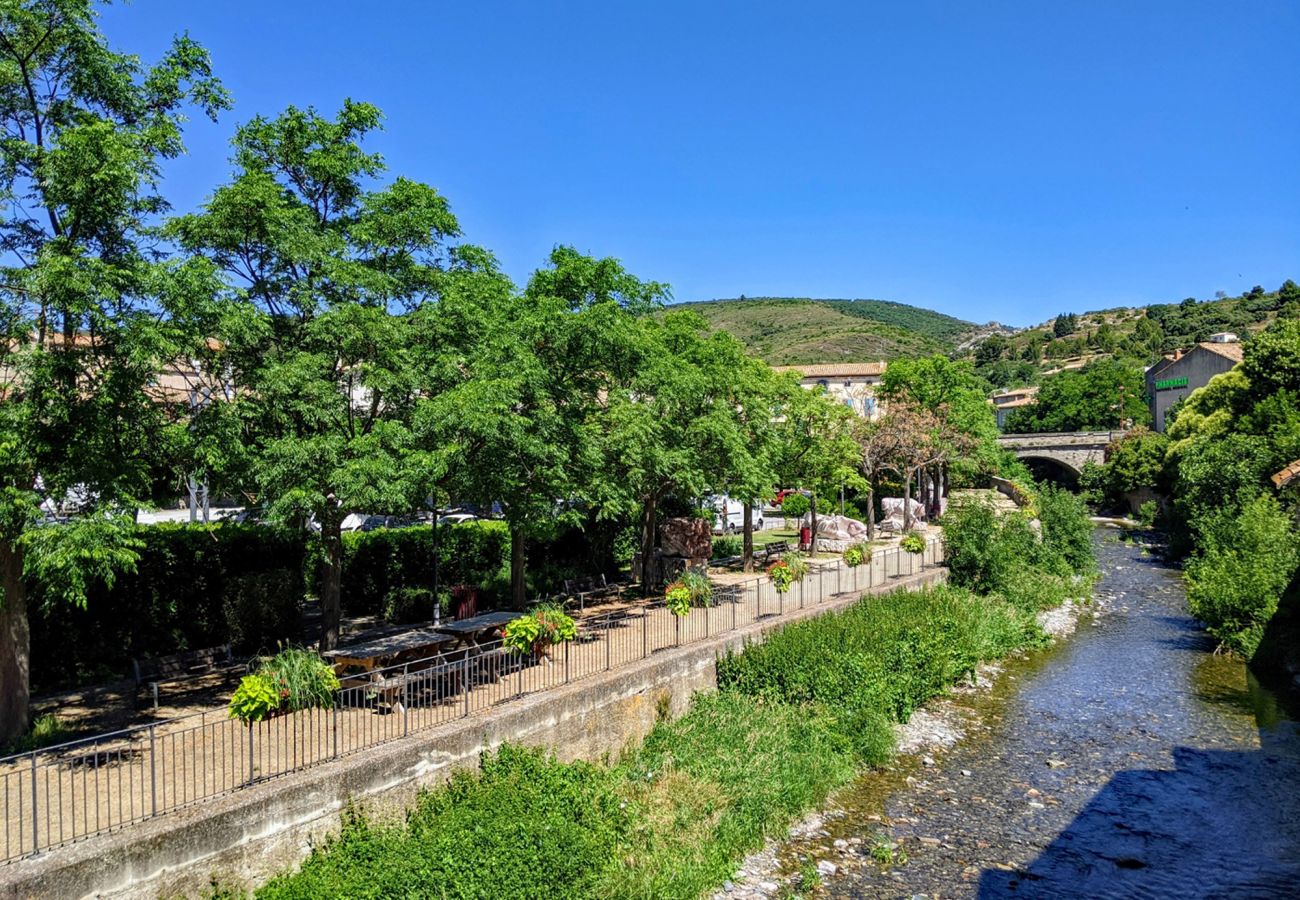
x: 193, y: 587
x: 389, y: 572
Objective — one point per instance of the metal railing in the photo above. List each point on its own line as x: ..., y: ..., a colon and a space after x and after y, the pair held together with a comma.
x: 56, y: 795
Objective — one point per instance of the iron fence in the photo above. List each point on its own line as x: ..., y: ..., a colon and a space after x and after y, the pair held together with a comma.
x: 56, y: 795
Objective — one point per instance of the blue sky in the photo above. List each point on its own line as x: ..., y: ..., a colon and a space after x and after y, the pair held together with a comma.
x: 992, y: 160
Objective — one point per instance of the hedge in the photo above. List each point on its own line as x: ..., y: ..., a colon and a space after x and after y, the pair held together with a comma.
x: 193, y: 587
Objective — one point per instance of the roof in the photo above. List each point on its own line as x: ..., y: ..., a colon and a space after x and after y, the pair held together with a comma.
x: 1230, y: 350
x: 1016, y: 404
x: 836, y: 370
x: 1287, y: 475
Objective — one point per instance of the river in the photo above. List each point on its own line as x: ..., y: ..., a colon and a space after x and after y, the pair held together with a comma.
x: 1128, y: 761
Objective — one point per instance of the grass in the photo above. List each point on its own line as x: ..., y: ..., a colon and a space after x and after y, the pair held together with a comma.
x: 46, y: 730
x: 795, y: 718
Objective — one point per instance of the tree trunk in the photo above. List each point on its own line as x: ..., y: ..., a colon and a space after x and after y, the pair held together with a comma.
x: 15, y: 645
x: 812, y: 521
x: 331, y: 578
x: 518, y: 560
x: 748, y: 550
x: 871, y: 510
x: 436, y: 612
x: 648, y: 578
x: 907, y: 502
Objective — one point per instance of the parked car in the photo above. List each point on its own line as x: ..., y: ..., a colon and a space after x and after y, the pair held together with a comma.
x: 457, y: 518
x: 729, y: 514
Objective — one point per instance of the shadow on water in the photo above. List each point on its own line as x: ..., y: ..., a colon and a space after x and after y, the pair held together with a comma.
x: 1221, y: 823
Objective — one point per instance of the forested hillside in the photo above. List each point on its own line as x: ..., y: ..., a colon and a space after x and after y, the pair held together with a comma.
x: 791, y: 331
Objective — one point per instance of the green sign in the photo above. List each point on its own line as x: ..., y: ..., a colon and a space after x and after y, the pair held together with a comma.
x: 1170, y: 384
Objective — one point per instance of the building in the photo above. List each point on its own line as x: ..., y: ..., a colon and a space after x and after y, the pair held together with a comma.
x: 1006, y: 402
x: 853, y: 384
x: 1177, y: 375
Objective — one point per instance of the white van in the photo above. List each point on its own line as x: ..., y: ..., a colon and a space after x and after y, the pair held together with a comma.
x: 729, y: 514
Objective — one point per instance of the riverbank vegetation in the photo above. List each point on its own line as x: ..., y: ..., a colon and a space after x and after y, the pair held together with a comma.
x: 1229, y: 505
x: 794, y: 719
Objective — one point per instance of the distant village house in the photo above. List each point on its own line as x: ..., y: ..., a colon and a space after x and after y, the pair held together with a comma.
x: 1177, y: 375
x: 853, y: 384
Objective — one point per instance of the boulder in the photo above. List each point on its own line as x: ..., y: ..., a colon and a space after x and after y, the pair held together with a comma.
x: 691, y: 538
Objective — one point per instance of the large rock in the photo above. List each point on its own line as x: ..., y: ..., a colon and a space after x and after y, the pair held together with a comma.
x: 691, y: 538
x: 893, y: 508
x: 839, y: 528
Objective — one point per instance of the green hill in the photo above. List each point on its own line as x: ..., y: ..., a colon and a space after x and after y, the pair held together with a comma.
x: 795, y: 331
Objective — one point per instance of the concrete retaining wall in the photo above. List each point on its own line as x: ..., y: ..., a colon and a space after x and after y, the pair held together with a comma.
x: 246, y: 837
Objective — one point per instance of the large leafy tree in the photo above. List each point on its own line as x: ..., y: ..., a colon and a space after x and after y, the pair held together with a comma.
x: 331, y: 323
x: 522, y: 414
x: 669, y: 428
x: 1105, y: 394
x: 85, y: 130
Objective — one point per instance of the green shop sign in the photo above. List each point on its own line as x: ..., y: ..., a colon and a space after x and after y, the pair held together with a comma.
x: 1170, y: 383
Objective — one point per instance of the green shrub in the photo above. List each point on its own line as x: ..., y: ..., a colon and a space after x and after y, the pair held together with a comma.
x: 46, y: 730
x: 1067, y: 530
x: 1147, y: 513
x: 795, y: 506
x: 523, y: 826
x: 379, y: 565
x: 1246, y: 563
x: 983, y: 550
x: 193, y: 587
x: 787, y: 570
x: 913, y: 542
x: 887, y: 654
x: 727, y: 547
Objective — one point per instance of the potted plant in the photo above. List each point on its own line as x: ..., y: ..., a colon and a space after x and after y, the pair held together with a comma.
x: 678, y: 598
x: 291, y: 680
x: 786, y: 571
x: 535, y: 633
x: 856, y: 555
x: 913, y: 542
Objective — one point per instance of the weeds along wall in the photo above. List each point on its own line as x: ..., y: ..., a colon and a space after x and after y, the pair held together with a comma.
x: 192, y: 587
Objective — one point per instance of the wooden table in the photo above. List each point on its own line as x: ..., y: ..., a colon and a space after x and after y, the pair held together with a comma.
x: 380, y: 652
x: 466, y: 632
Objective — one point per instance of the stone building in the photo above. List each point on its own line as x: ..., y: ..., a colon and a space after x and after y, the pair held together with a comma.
x: 1177, y: 375
x: 853, y: 384
x: 1008, y: 401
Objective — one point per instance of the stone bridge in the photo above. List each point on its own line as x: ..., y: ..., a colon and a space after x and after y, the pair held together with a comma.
x: 1061, y: 453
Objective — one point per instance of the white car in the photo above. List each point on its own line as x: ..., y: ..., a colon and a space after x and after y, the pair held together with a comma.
x: 729, y: 514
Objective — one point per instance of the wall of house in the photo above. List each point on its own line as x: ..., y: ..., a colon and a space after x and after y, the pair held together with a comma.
x: 1198, y: 366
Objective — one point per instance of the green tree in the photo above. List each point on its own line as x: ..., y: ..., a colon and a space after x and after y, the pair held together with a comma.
x: 668, y: 428
x: 1246, y: 561
x: 85, y: 129
x: 1100, y: 396
x: 816, y: 446
x: 329, y: 314
x: 990, y: 350
x: 521, y: 416
x: 1066, y: 324
x: 1134, y: 462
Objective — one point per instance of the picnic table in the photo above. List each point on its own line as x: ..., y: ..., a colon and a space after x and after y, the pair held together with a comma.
x: 381, y: 652
x: 468, y: 632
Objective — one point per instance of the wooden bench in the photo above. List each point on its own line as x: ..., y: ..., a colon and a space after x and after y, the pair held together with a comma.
x: 180, y: 667
x: 776, y: 548
x: 594, y: 586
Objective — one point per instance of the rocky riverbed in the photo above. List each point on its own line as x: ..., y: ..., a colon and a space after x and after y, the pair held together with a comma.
x: 1126, y: 761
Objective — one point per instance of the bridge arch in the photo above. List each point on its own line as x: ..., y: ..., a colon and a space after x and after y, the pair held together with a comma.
x: 1060, y: 457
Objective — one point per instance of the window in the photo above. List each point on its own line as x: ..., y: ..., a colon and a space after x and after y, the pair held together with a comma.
x: 869, y: 406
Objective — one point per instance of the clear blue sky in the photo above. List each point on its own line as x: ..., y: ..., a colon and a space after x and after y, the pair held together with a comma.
x: 993, y: 160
